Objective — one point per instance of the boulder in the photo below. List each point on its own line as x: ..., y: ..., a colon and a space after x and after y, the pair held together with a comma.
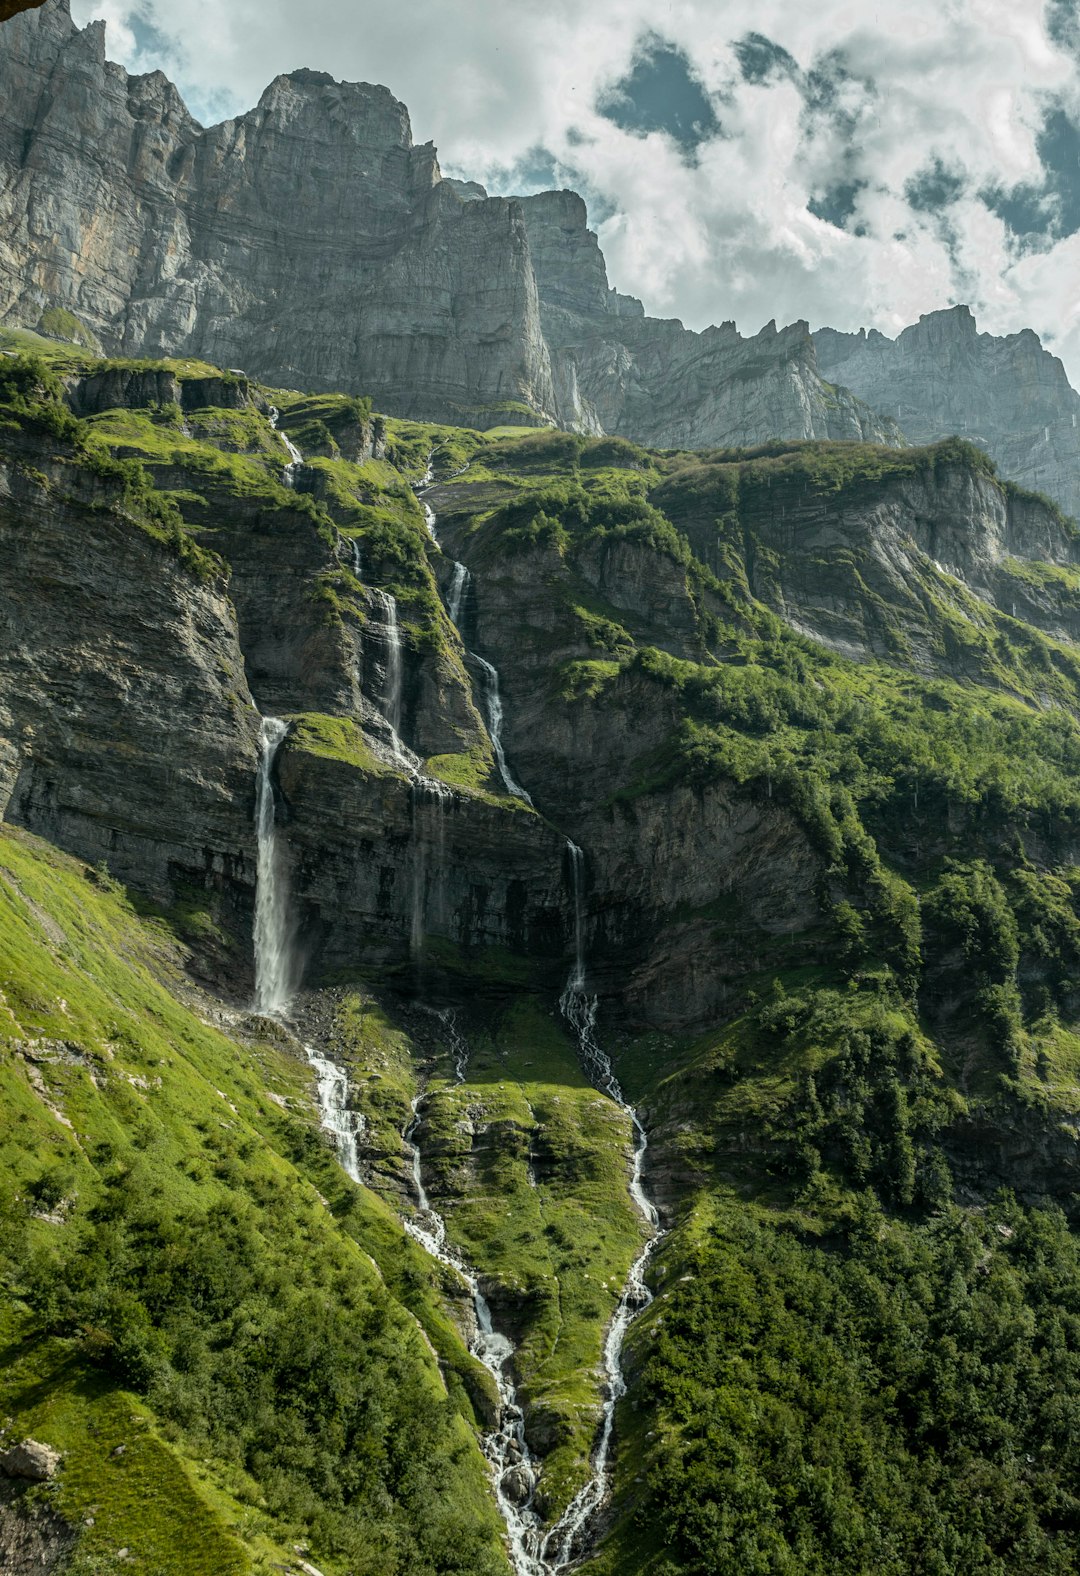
x: 31, y: 1460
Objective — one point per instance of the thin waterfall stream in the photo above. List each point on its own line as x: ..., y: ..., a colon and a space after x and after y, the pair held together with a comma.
x: 274, y: 961
x: 489, y: 677
x: 513, y: 1470
x: 296, y: 459
x: 580, y: 1009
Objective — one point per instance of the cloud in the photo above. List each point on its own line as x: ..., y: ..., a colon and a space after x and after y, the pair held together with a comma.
x: 848, y: 164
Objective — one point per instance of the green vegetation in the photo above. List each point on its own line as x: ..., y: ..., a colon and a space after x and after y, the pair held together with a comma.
x: 528, y: 1164
x: 863, y: 1357
x: 176, y: 1285
x: 891, y: 1399
x: 58, y: 323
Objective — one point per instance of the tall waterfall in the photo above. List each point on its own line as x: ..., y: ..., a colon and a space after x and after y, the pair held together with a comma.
x: 390, y: 699
x: 428, y: 799
x: 513, y: 1470
x: 274, y: 960
x: 296, y: 459
x: 273, y: 950
x: 580, y: 1010
x: 456, y: 595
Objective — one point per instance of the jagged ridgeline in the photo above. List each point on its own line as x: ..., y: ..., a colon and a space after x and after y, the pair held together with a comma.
x: 734, y: 793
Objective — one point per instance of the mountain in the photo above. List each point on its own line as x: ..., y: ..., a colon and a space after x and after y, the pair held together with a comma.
x: 312, y: 243
x: 942, y: 376
x: 643, y: 831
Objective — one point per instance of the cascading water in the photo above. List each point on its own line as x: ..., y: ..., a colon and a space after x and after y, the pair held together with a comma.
x: 456, y: 595
x: 273, y: 952
x: 345, y: 1126
x: 580, y: 1010
x: 493, y: 707
x: 274, y: 962
x: 489, y: 677
x: 512, y: 1469
x: 296, y: 459
x: 428, y: 799
x: 392, y: 668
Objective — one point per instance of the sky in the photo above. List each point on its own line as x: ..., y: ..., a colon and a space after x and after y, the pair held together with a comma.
x: 851, y: 163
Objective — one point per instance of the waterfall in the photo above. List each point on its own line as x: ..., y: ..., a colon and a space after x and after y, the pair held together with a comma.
x: 493, y: 707
x: 345, y: 1126
x: 513, y: 1472
x: 273, y: 951
x: 392, y: 667
x: 296, y: 459
x: 428, y: 799
x: 274, y: 962
x: 456, y: 595
x: 357, y: 562
x: 489, y: 682
x: 580, y: 1010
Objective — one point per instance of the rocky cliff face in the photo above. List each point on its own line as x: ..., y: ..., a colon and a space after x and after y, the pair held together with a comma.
x: 311, y: 242
x: 439, y: 301
x: 942, y: 376
x: 655, y: 381
x: 129, y: 734
x: 165, y: 237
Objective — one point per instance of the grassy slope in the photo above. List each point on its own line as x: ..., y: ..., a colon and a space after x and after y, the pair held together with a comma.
x: 528, y: 1165
x: 112, y: 1087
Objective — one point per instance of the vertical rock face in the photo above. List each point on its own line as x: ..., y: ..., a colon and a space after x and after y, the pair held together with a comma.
x: 130, y: 737
x: 653, y: 380
x: 942, y: 376
x: 311, y: 242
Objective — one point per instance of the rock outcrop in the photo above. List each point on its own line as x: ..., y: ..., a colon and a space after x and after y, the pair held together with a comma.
x: 131, y: 740
x: 659, y: 383
x: 942, y: 376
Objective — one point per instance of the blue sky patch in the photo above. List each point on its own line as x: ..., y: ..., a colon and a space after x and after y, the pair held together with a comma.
x: 661, y: 93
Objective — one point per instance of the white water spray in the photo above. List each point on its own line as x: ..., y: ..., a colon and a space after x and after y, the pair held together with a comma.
x: 345, y: 1126
x: 296, y: 459
x: 456, y: 595
x: 272, y: 940
x: 390, y: 700
x: 513, y: 1472
x: 274, y: 964
x: 580, y: 1010
x: 493, y: 707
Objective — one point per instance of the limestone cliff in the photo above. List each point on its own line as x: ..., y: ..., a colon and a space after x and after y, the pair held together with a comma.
x: 942, y: 376
x: 311, y: 242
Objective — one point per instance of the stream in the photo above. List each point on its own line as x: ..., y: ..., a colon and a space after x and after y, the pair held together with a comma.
x: 513, y: 1469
